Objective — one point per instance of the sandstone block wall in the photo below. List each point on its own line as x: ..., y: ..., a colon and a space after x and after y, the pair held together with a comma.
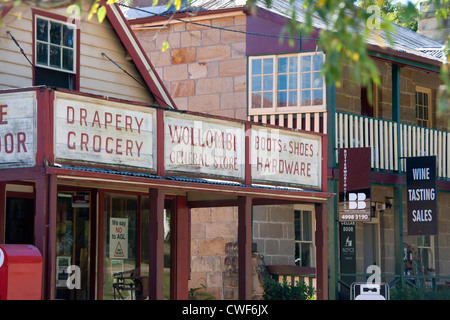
x: 204, y: 69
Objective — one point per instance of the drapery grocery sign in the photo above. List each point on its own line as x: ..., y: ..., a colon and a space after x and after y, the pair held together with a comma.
x: 17, y: 129
x: 281, y: 156
x: 93, y: 130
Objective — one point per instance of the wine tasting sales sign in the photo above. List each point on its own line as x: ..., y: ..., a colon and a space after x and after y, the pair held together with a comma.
x: 421, y: 195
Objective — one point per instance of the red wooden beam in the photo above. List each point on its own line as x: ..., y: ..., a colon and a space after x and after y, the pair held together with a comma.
x: 40, y: 227
x: 182, y: 249
x: 100, y: 240
x: 245, y: 247
x: 322, y: 251
x: 156, y: 244
x: 51, y: 243
x: 2, y: 211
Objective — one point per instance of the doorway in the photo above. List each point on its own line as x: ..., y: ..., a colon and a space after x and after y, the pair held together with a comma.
x: 20, y: 220
x: 73, y: 219
x: 371, y: 232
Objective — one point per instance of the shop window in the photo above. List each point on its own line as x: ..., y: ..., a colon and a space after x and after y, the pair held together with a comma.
x: 19, y: 219
x: 369, y: 101
x: 72, y: 243
x: 120, y: 249
x: 425, y: 246
x: 423, y: 107
x: 55, y: 53
x: 304, y: 238
x: 286, y: 83
x: 168, y: 219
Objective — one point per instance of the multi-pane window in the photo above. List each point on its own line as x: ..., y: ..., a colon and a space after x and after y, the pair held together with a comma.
x: 55, y: 45
x: 304, y: 238
x: 425, y: 246
x: 423, y: 107
x: 262, y: 82
x: 286, y: 83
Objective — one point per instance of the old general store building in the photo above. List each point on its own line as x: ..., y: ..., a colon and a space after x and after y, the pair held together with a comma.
x: 225, y: 61
x: 102, y: 170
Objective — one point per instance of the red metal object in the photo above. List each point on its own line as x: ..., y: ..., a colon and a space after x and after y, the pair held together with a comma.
x: 20, y: 272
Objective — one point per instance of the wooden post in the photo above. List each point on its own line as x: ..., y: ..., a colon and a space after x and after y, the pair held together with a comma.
x: 322, y: 251
x: 40, y: 227
x: 156, y: 244
x: 2, y: 211
x: 245, y: 247
x: 181, y: 250
x: 51, y: 243
x: 100, y: 241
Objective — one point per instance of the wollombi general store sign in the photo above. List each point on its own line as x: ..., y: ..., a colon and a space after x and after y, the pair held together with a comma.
x: 199, y: 145
x: 91, y: 131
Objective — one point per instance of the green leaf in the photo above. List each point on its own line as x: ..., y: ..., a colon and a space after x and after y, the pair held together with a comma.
x: 101, y: 14
x: 165, y: 46
x: 74, y: 8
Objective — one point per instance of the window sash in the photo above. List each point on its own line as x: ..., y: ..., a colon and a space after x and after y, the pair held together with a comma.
x: 423, y: 107
x: 53, y: 51
x: 304, y: 223
x: 281, y: 88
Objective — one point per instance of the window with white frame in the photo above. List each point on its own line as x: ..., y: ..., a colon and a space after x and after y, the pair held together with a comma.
x: 304, y: 226
x: 55, y: 45
x: 286, y: 83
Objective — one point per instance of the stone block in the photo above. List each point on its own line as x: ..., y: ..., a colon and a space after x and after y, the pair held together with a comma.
x: 214, y: 53
x: 227, y: 230
x: 216, y: 85
x: 232, y: 68
x: 211, y: 247
x: 231, y: 36
x: 197, y: 70
x: 271, y: 230
x: 176, y: 73
x: 183, y: 55
x: 224, y: 214
x: 160, y: 59
x: 199, y: 215
x: 210, y: 37
x: 204, y: 103
x: 191, y: 39
x: 182, y: 88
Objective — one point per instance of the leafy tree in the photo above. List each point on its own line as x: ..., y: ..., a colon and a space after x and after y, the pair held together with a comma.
x: 406, y: 15
x: 343, y: 38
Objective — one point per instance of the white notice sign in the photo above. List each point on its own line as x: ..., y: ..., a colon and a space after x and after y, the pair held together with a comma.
x: 118, y: 238
x: 286, y: 157
x: 100, y: 131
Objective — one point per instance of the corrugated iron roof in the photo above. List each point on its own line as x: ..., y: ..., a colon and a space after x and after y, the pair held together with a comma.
x: 110, y: 171
x: 405, y: 40
x: 210, y: 181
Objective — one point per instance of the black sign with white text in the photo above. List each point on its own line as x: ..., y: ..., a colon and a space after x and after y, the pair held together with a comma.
x: 421, y: 195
